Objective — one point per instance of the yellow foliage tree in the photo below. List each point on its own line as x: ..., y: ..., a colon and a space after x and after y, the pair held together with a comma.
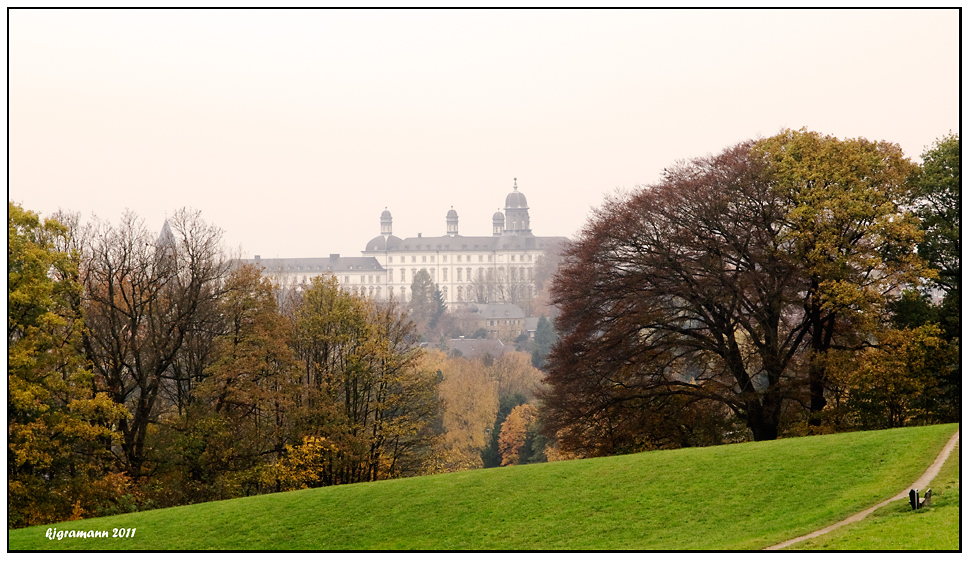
x: 60, y: 427
x: 514, y: 432
x: 848, y: 226
x: 894, y: 383
x: 363, y: 386
x: 515, y: 375
x: 470, y: 399
x: 301, y: 467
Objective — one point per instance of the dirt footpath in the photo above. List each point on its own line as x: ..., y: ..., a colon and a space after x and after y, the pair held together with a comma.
x: 920, y: 483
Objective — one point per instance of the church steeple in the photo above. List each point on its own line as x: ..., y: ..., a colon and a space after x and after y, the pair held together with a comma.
x: 166, y: 246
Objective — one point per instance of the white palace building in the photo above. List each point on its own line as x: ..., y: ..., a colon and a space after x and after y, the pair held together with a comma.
x: 498, y: 268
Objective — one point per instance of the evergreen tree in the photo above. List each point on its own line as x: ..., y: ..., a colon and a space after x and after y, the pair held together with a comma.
x: 438, y: 307
x: 423, y: 306
x: 545, y: 338
x: 490, y: 455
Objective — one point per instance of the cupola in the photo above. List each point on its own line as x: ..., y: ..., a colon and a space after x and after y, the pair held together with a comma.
x: 498, y: 223
x: 452, y: 222
x: 386, y: 222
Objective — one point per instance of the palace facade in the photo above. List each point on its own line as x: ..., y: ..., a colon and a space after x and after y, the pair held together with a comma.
x: 498, y: 268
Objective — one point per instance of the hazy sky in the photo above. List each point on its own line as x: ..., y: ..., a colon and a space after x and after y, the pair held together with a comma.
x: 293, y: 130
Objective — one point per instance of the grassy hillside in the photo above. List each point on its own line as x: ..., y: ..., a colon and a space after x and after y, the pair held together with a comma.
x: 896, y: 527
x: 742, y: 496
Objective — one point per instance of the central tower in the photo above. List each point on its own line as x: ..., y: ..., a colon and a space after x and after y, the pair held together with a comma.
x: 516, y: 212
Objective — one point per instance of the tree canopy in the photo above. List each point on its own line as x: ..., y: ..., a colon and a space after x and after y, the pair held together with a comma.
x: 150, y: 370
x: 58, y: 466
x: 714, y: 295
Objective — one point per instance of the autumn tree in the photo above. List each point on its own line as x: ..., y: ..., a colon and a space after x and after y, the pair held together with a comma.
x: 241, y: 416
x: 470, y: 399
x: 683, y: 288
x: 59, y: 423
x: 407, y: 406
x: 491, y: 457
x: 515, y: 432
x: 514, y: 373
x: 331, y: 333
x: 936, y: 198
x: 847, y: 229
x: 143, y: 297
x: 896, y: 382
x: 725, y: 285
x: 364, y: 389
x: 518, y: 382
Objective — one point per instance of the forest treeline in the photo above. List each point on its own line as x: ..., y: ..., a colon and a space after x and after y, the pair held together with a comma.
x: 792, y: 285
x: 149, y: 371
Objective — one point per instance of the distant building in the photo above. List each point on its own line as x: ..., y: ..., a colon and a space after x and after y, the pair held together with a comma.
x: 502, y: 321
x: 351, y: 272
x: 475, y: 348
x: 499, y: 268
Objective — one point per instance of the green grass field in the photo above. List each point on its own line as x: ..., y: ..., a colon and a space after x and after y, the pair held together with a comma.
x: 896, y: 527
x: 741, y: 496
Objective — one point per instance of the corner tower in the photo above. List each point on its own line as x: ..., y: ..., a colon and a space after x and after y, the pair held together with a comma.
x: 451, y: 220
x: 498, y: 223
